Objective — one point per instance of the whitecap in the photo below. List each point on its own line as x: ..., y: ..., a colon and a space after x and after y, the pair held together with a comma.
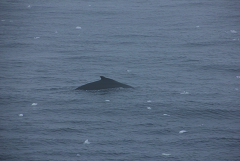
x: 184, y: 92
x: 107, y: 100
x: 86, y: 142
x: 238, y: 76
x: 36, y: 37
x: 20, y: 115
x: 149, y: 101
x: 166, y: 154
x: 78, y: 155
x: 182, y: 131
x: 236, y: 39
x: 233, y: 31
x: 149, y: 108
x: 166, y: 114
x: 128, y: 70
x: 34, y: 104
x: 197, y: 26
x: 29, y: 6
x: 78, y: 27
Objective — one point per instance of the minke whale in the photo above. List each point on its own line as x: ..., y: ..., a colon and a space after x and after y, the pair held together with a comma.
x: 104, y: 83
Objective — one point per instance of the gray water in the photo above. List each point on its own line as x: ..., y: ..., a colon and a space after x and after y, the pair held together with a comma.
x: 181, y: 57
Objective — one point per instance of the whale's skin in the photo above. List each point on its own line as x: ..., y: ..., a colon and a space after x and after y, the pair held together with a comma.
x: 104, y: 83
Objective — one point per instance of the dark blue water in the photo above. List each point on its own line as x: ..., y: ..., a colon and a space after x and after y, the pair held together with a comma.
x: 182, y: 57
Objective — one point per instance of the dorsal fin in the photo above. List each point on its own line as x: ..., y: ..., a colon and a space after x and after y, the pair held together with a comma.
x: 102, y: 77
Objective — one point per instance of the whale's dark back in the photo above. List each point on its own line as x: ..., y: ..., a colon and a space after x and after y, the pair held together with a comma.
x: 104, y: 83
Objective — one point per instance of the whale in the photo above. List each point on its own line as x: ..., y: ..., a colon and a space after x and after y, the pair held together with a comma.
x: 104, y: 83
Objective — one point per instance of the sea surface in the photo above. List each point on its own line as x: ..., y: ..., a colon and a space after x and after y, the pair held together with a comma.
x: 181, y: 57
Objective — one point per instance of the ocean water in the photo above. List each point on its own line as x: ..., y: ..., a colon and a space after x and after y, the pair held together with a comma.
x: 181, y: 57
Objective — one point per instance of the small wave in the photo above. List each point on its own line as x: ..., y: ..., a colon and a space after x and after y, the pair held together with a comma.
x: 166, y: 154
x: 86, y: 142
x: 235, y: 39
x: 184, y: 92
x: 182, y: 131
x: 233, y: 31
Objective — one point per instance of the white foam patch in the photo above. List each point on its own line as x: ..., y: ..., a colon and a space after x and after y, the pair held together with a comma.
x: 149, y: 108
x: 86, y: 142
x: 166, y: 114
x: 128, y: 70
x: 236, y: 39
x: 149, y: 101
x: 78, y: 27
x: 233, y: 31
x: 166, y: 154
x: 182, y: 131
x: 197, y: 26
x: 238, y: 76
x: 107, y: 100
x: 36, y: 37
x: 34, y: 104
x: 21, y: 115
x: 29, y: 6
x: 78, y: 155
x: 184, y: 92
